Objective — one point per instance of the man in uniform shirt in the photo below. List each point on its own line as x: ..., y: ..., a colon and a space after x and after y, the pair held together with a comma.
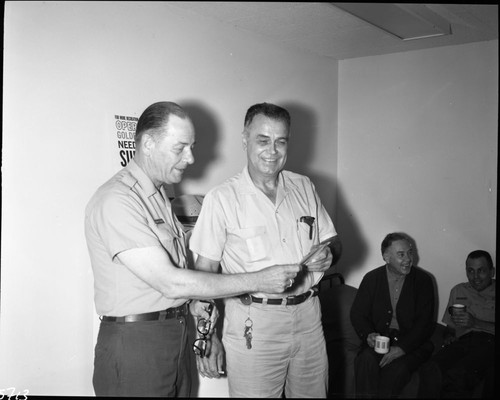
x: 264, y: 215
x: 468, y: 354
x: 138, y: 255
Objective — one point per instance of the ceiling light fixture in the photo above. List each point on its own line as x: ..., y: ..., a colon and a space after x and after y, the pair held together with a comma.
x: 405, y: 21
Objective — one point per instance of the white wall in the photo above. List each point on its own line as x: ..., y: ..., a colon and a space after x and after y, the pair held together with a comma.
x: 417, y: 152
x: 69, y: 67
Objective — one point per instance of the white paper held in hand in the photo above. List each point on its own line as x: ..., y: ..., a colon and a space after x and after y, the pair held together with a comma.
x: 316, y: 250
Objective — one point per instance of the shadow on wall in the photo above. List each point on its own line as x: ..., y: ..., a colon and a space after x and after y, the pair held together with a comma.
x: 300, y: 156
x: 301, y: 152
x: 354, y: 245
x: 302, y: 139
x: 207, y: 136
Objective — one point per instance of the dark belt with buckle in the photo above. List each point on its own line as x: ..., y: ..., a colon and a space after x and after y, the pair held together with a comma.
x: 176, y: 312
x: 286, y: 301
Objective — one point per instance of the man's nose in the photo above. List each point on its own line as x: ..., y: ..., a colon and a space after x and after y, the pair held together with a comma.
x: 189, y: 157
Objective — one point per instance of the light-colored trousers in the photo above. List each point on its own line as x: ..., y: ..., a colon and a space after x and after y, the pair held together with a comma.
x: 288, y: 353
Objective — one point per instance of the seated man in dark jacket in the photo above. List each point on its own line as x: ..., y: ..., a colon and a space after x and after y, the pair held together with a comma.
x: 395, y: 300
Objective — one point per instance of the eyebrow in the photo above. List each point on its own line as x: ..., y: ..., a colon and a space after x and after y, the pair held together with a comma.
x: 184, y: 143
x: 264, y: 136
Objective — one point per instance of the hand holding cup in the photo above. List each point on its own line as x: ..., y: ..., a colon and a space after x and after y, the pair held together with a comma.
x: 460, y: 316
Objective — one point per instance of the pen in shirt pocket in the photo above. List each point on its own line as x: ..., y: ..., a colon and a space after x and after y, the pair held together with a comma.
x: 309, y: 221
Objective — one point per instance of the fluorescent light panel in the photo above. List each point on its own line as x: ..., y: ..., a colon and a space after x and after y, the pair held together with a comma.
x: 406, y: 21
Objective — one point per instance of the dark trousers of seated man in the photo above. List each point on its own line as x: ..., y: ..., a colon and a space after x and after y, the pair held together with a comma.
x: 458, y: 368
x: 372, y: 381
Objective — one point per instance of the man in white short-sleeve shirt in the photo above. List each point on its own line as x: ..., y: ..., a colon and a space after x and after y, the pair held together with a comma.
x: 274, y: 344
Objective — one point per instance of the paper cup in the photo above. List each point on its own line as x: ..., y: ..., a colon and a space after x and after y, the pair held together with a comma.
x: 456, y: 308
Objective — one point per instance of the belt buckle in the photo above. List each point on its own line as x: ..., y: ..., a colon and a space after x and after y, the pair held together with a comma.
x: 246, y: 299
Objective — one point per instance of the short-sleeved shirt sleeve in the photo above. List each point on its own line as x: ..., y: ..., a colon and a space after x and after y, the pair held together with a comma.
x: 122, y: 224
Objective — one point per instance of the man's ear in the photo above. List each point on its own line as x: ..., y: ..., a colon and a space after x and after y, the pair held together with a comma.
x: 147, y: 144
x: 385, y: 257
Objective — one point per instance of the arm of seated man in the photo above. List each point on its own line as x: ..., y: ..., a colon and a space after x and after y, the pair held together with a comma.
x: 467, y: 320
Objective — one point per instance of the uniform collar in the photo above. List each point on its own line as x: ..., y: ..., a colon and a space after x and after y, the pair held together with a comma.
x: 140, y: 177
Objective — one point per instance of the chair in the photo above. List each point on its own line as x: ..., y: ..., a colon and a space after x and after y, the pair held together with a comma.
x: 342, y: 342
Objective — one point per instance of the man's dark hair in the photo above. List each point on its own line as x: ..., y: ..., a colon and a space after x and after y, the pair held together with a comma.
x: 155, y: 117
x: 393, y: 237
x: 481, y: 253
x: 269, y: 110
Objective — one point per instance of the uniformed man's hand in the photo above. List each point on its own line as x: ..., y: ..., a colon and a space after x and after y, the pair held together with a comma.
x: 277, y: 278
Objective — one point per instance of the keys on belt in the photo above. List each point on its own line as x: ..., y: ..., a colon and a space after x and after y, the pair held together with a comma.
x: 286, y: 301
x: 169, y: 313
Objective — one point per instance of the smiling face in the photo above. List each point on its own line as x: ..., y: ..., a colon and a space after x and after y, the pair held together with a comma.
x: 399, y: 257
x: 266, y: 143
x: 479, y: 273
x: 171, y: 152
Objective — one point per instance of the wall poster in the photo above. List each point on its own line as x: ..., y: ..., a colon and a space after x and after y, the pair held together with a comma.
x: 125, y: 132
x: 124, y: 147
